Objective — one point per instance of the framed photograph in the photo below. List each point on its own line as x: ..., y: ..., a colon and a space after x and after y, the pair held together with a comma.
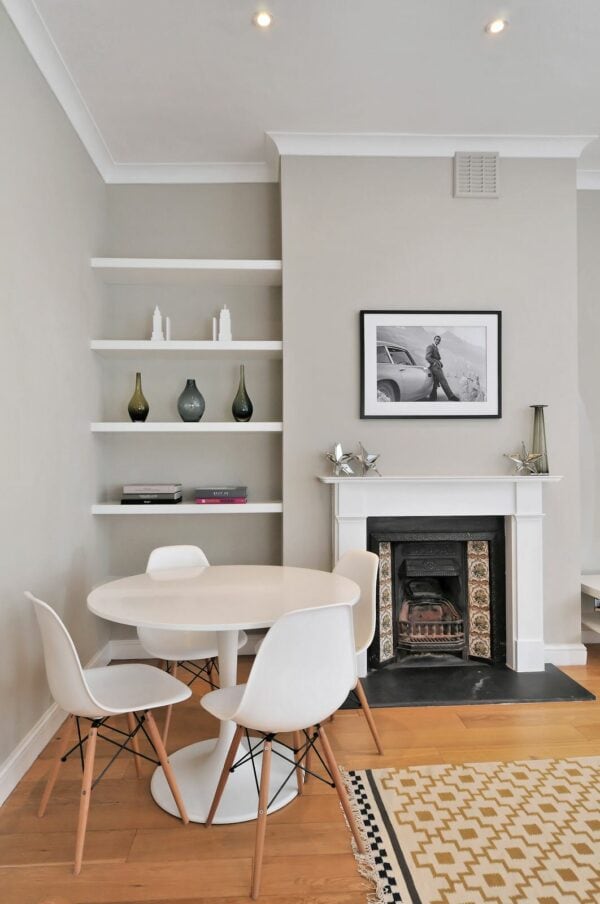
x: 430, y: 364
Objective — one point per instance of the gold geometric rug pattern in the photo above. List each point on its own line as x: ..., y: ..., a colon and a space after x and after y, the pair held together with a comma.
x: 482, y: 833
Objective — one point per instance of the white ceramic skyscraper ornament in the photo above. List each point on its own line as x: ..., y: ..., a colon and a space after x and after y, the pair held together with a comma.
x: 157, y: 330
x: 224, y: 324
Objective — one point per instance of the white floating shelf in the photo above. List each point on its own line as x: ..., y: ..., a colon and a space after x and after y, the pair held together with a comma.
x: 183, y: 508
x: 202, y: 347
x: 181, y: 427
x: 128, y: 271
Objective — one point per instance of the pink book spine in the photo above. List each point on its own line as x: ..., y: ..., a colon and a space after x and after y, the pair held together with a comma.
x: 229, y: 500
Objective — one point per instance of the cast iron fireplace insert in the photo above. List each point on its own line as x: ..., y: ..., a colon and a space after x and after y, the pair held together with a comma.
x: 441, y: 593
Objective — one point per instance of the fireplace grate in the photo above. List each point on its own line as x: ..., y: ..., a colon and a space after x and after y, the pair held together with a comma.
x: 430, y: 625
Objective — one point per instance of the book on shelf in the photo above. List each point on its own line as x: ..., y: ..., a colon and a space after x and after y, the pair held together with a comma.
x: 152, y: 488
x: 222, y: 500
x: 130, y: 501
x: 224, y: 492
x: 150, y: 497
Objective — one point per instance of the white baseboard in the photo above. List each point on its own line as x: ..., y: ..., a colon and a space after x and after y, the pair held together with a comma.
x: 26, y: 752
x: 565, y: 653
x: 588, y: 636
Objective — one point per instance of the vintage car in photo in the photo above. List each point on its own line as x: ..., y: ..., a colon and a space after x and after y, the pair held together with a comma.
x: 398, y: 377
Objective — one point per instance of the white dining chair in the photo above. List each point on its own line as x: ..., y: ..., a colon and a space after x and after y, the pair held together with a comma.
x: 180, y: 648
x: 303, y: 671
x: 97, y: 695
x: 361, y: 567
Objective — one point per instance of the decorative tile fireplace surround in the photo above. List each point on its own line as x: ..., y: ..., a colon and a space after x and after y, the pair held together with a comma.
x: 517, y: 499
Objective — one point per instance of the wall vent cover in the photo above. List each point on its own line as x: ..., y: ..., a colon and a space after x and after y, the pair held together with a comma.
x: 475, y: 175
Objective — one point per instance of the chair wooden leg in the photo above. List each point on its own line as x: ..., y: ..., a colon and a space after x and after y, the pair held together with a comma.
x: 166, y: 766
x: 69, y: 732
x: 134, y: 743
x: 173, y: 671
x: 339, y: 787
x: 362, y: 698
x: 86, y: 791
x: 229, y: 760
x: 261, y: 822
x: 299, y: 775
x: 309, y: 754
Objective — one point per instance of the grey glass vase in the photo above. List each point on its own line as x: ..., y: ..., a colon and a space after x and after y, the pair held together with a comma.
x: 538, y: 444
x: 190, y: 403
x: 138, y: 407
x: 242, y: 407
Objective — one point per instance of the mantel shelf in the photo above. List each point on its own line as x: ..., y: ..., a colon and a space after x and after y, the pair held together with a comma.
x: 254, y: 347
x: 183, y: 508
x: 182, y: 427
x: 127, y: 271
x: 448, y: 478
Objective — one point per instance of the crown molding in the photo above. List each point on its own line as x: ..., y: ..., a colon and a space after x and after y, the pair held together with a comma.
x: 387, y: 144
x: 187, y: 173
x: 588, y: 180
x: 36, y: 37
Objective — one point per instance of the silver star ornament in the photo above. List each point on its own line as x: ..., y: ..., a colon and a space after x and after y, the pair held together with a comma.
x: 340, y: 460
x: 525, y: 462
x: 366, y: 460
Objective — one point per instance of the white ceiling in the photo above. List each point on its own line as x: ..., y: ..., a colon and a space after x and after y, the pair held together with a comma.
x: 193, y: 81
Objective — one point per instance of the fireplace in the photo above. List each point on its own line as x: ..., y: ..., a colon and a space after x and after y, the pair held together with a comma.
x: 441, y: 591
x: 516, y: 500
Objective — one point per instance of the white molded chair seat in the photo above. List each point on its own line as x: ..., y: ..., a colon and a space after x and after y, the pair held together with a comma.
x: 97, y: 695
x: 133, y: 687
x: 304, y: 670
x: 182, y: 647
x: 361, y: 567
x: 173, y: 645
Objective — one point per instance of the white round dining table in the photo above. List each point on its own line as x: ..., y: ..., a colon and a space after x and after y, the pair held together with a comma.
x: 225, y: 599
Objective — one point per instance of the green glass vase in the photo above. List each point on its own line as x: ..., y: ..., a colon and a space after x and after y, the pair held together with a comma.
x: 138, y: 407
x: 242, y: 407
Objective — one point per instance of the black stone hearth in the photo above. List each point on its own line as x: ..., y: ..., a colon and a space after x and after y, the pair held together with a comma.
x: 396, y: 685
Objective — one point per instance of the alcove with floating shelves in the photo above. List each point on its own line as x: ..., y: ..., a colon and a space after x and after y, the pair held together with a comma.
x: 191, y: 291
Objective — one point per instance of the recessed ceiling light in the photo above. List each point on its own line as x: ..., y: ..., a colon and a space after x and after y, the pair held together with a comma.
x: 495, y: 27
x: 263, y: 19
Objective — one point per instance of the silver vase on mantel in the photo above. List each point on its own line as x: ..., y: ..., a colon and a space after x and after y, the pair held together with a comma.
x: 538, y: 444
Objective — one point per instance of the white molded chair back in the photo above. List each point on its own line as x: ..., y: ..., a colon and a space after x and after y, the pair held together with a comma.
x: 63, y: 668
x: 361, y: 567
x: 303, y: 671
x: 176, y: 557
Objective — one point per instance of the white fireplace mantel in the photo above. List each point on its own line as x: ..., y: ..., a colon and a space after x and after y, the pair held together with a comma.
x: 518, y: 499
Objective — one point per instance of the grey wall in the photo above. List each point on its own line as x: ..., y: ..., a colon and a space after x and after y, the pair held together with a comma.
x: 588, y: 206
x: 382, y: 233
x: 53, y: 204
x: 588, y: 209
x: 212, y: 221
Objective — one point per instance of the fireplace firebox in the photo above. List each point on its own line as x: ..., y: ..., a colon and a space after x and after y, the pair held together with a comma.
x: 441, y: 590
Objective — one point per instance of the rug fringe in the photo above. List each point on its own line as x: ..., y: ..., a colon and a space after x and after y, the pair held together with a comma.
x: 365, y: 862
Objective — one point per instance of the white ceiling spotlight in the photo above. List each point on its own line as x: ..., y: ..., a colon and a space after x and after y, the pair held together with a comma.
x: 496, y: 27
x: 263, y: 19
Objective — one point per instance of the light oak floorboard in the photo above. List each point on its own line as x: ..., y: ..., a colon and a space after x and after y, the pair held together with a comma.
x: 135, y: 853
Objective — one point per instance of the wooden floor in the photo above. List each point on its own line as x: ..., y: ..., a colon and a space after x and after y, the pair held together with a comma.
x: 137, y: 853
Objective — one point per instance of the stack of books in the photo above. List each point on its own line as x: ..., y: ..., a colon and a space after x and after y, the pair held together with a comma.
x: 227, y: 495
x: 151, y: 494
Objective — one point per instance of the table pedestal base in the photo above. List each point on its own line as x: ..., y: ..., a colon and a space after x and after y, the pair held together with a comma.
x: 197, y: 769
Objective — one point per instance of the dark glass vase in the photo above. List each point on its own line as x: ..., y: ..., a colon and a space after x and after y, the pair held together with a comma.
x: 538, y: 444
x: 190, y: 403
x: 138, y: 407
x: 242, y: 407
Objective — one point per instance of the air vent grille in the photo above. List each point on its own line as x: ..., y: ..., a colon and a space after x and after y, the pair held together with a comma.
x: 475, y: 175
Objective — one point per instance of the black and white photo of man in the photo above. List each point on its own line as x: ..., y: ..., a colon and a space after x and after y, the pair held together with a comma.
x: 434, y: 359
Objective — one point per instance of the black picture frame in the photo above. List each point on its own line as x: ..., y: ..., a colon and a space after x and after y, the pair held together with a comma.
x: 398, y: 374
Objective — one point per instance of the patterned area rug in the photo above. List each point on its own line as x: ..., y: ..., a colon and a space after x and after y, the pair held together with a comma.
x: 483, y: 833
